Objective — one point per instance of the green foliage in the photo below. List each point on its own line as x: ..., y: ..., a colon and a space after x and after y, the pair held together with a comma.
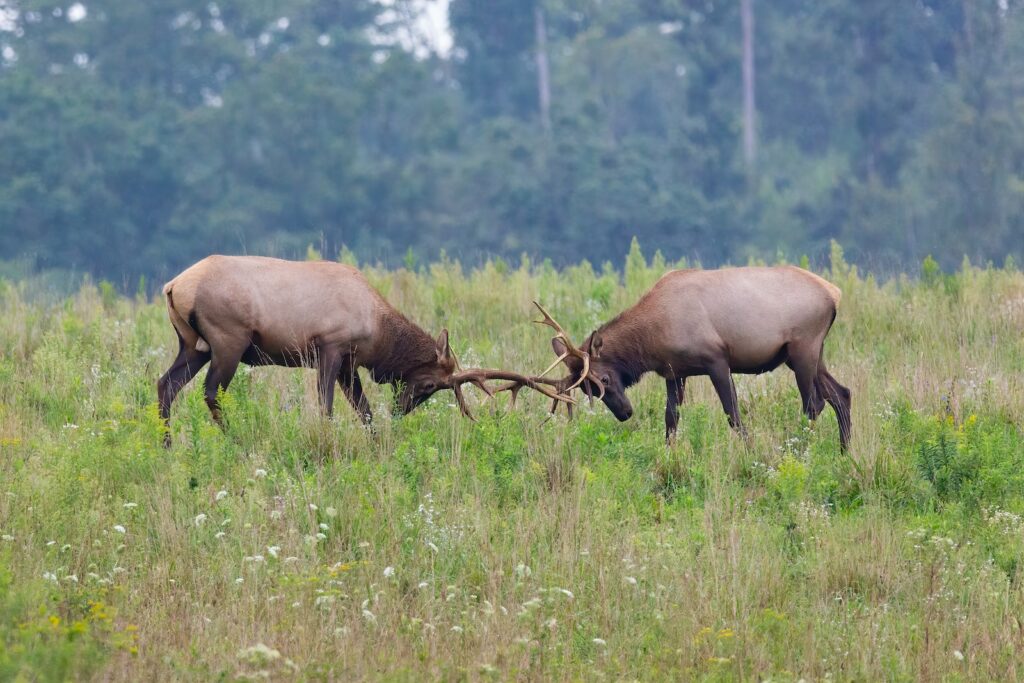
x: 139, y: 139
x: 286, y: 545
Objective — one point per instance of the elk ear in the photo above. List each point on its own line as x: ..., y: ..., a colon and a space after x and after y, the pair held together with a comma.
x: 444, y: 351
x: 595, y: 344
x: 558, y: 346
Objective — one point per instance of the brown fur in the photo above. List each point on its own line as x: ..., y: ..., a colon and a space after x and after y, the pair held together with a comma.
x: 715, y: 323
x: 228, y: 310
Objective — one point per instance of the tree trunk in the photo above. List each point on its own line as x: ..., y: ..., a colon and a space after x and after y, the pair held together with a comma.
x: 749, y: 104
x: 543, y: 72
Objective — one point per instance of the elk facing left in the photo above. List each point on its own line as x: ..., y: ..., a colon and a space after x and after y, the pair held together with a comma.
x: 255, y: 310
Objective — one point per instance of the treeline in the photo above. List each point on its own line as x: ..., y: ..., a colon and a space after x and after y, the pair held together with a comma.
x: 138, y: 136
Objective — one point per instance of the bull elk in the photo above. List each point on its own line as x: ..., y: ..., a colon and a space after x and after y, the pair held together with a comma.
x: 228, y: 310
x: 714, y: 323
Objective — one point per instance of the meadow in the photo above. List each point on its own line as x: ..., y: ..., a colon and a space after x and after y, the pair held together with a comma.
x: 291, y: 547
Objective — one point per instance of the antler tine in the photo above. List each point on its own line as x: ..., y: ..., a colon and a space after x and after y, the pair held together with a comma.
x: 461, y: 400
x: 583, y: 375
x: 554, y: 365
x: 560, y: 332
x: 549, y: 321
x: 517, y: 381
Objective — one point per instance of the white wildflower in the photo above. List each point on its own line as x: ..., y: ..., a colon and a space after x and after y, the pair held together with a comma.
x: 313, y: 507
x: 389, y: 572
x: 239, y: 580
x: 120, y: 529
x: 219, y: 534
x: 323, y: 527
x: 290, y: 559
x: 331, y: 512
x: 523, y: 571
x: 200, y: 518
x: 129, y: 506
x: 73, y: 578
x: 566, y: 592
x: 457, y: 629
x: 7, y: 537
x: 959, y: 655
x: 321, y: 536
x: 600, y: 641
x: 259, y: 654
x: 631, y: 580
x: 368, y: 615
x: 273, y: 550
x: 221, y: 495
x: 422, y: 584
x: 50, y: 576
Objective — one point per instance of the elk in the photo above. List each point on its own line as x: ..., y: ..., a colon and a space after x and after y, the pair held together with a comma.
x: 228, y: 310
x: 714, y: 323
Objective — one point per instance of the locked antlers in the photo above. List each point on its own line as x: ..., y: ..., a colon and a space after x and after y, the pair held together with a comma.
x: 562, y: 387
x: 478, y: 377
x: 558, y: 390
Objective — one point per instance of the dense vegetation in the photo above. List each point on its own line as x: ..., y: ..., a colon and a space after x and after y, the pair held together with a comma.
x: 512, y: 548
x: 136, y: 137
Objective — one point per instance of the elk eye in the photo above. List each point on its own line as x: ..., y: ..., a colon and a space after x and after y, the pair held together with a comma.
x: 605, y: 380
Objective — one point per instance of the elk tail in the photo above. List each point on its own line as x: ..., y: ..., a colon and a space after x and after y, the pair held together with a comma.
x: 181, y: 323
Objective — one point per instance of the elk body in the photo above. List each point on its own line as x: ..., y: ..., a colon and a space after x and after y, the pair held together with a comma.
x: 714, y: 323
x: 228, y: 310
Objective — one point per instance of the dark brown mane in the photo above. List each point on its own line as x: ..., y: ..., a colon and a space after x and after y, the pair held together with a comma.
x: 407, y: 347
x: 624, y: 346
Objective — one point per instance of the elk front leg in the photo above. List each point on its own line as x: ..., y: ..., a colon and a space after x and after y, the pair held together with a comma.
x: 674, y: 388
x: 348, y: 378
x: 329, y: 364
x: 721, y: 378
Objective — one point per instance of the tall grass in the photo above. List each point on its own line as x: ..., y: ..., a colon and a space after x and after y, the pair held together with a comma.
x: 294, y: 547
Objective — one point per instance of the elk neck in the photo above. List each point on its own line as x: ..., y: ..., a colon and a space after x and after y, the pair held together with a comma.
x: 401, y: 347
x: 627, y: 346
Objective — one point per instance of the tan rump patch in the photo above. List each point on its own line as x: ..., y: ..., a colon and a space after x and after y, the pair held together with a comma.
x: 201, y: 345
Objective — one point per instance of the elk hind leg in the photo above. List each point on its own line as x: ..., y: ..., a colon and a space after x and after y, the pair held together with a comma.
x: 185, y: 366
x: 804, y: 365
x: 223, y: 366
x: 840, y: 398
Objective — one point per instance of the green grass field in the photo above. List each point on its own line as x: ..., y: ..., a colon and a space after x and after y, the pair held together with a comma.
x: 296, y: 548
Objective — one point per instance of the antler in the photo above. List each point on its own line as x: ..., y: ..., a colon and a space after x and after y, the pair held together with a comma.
x: 570, y: 350
x: 479, y: 377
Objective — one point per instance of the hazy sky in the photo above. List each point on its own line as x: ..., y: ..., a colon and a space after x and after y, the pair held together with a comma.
x: 430, y: 26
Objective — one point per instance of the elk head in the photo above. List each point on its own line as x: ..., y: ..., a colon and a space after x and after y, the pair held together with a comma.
x: 444, y: 373
x: 588, y: 369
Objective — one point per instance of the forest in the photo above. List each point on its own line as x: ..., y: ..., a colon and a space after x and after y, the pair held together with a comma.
x: 136, y: 137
